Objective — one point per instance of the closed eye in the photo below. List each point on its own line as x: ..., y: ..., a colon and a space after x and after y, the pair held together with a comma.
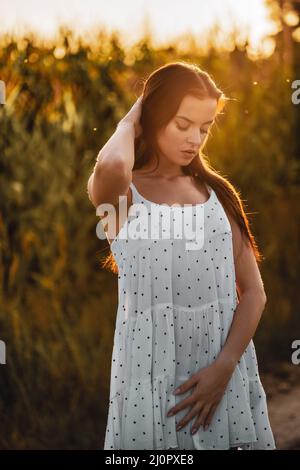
x: 185, y: 128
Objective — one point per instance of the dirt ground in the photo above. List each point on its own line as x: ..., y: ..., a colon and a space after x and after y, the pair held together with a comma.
x: 283, y: 395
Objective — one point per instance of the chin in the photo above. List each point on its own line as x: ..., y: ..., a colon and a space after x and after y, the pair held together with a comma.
x: 186, y: 162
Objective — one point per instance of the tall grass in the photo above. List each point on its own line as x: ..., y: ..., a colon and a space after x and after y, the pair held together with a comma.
x: 57, y: 307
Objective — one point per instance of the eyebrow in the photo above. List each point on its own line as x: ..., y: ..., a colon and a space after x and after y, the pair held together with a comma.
x: 187, y: 119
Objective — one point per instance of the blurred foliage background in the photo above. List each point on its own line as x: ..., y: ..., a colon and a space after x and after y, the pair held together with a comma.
x: 57, y: 306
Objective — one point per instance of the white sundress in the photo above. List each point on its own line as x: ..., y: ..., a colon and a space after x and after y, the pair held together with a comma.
x: 175, y: 308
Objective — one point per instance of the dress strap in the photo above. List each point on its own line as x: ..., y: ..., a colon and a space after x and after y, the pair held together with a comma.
x: 135, y: 194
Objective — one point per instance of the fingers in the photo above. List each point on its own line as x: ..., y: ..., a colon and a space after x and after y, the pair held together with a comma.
x: 201, y: 419
x: 186, y: 385
x: 180, y: 406
x: 205, y: 414
x: 193, y: 412
x: 209, y: 416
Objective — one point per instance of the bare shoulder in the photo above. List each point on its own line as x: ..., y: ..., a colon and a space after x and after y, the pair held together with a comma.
x: 120, y: 216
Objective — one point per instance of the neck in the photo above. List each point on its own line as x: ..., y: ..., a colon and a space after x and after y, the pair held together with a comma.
x: 165, y: 169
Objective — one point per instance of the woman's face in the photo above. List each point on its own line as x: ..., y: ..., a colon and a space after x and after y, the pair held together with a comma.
x: 187, y: 130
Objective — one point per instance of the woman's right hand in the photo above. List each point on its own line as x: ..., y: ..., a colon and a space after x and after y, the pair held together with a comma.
x: 133, y: 116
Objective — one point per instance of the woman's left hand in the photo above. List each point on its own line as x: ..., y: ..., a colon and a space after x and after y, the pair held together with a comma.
x: 210, y: 384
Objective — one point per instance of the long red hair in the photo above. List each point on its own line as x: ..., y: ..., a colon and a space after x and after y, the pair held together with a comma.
x: 162, y: 94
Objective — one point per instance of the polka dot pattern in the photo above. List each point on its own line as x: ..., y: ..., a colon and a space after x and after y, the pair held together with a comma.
x: 174, y: 313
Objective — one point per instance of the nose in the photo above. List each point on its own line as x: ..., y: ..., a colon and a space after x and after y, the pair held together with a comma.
x: 195, y: 138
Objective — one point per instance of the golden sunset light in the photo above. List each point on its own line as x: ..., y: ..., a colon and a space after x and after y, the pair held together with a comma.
x: 166, y: 20
x: 149, y: 227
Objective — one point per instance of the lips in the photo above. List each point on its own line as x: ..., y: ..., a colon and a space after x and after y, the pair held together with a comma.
x: 189, y: 153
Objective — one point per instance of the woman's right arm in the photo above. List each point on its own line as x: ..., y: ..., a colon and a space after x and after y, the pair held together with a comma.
x: 112, y: 173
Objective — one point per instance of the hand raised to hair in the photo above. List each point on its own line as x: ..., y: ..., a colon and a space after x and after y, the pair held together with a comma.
x: 133, y: 116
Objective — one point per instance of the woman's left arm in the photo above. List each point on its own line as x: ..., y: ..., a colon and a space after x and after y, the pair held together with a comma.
x: 251, y: 304
x: 209, y: 383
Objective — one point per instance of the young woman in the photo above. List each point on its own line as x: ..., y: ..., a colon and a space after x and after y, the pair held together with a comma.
x: 186, y: 317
